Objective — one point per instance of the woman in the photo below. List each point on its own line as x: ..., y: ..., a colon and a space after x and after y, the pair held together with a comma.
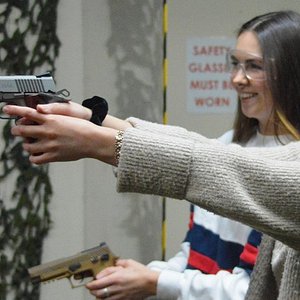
x: 256, y: 186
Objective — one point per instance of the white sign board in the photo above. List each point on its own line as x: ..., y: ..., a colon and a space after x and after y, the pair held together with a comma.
x: 208, y: 84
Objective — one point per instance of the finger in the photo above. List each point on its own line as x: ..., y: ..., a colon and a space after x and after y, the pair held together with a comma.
x: 106, y: 293
x: 96, y: 285
x: 54, y: 108
x: 24, y: 121
x: 107, y: 271
x: 121, y: 262
x: 23, y: 111
x: 40, y: 153
x: 27, y: 131
x: 103, y: 279
x: 71, y: 109
x: 34, y: 147
x: 41, y: 158
x: 124, y: 263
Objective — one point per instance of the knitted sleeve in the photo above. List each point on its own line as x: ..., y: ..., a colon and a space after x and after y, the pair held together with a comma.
x: 171, y: 131
x: 256, y: 186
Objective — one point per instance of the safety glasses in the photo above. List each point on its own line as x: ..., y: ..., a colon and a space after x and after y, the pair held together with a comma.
x: 250, y: 64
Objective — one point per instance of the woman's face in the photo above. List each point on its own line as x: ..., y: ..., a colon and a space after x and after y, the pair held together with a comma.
x: 255, y: 96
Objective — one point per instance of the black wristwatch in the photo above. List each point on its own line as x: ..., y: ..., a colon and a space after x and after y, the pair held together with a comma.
x: 99, y: 108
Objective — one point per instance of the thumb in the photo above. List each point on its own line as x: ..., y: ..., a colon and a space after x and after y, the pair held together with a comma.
x: 123, y: 263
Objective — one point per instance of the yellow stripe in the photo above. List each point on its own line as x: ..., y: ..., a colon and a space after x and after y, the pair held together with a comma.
x: 165, y: 118
x: 165, y: 77
x: 165, y: 21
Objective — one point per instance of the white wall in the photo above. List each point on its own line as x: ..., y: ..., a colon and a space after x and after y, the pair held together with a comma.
x: 85, y: 207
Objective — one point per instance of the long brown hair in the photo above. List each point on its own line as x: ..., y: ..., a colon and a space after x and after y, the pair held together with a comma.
x: 278, y: 34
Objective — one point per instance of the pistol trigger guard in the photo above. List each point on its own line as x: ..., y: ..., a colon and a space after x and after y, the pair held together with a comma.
x: 63, y: 92
x: 78, y: 283
x: 71, y: 282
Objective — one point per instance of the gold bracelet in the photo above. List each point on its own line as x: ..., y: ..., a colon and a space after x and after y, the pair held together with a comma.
x: 118, y: 145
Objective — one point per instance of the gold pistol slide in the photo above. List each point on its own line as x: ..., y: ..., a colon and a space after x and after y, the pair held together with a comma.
x: 77, y: 268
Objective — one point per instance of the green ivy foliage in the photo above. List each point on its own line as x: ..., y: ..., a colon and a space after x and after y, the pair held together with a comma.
x: 28, y: 44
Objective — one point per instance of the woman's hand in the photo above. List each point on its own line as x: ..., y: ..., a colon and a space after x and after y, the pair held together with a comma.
x: 127, y: 280
x: 62, y: 138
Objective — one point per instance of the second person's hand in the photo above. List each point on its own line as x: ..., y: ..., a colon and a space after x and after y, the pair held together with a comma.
x: 128, y: 280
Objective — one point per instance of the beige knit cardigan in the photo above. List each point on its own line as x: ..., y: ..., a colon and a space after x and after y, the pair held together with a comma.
x: 256, y: 186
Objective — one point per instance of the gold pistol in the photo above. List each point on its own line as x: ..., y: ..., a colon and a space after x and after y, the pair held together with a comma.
x: 76, y: 268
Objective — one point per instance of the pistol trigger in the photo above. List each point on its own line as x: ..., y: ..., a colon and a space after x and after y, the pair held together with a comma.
x: 78, y: 280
